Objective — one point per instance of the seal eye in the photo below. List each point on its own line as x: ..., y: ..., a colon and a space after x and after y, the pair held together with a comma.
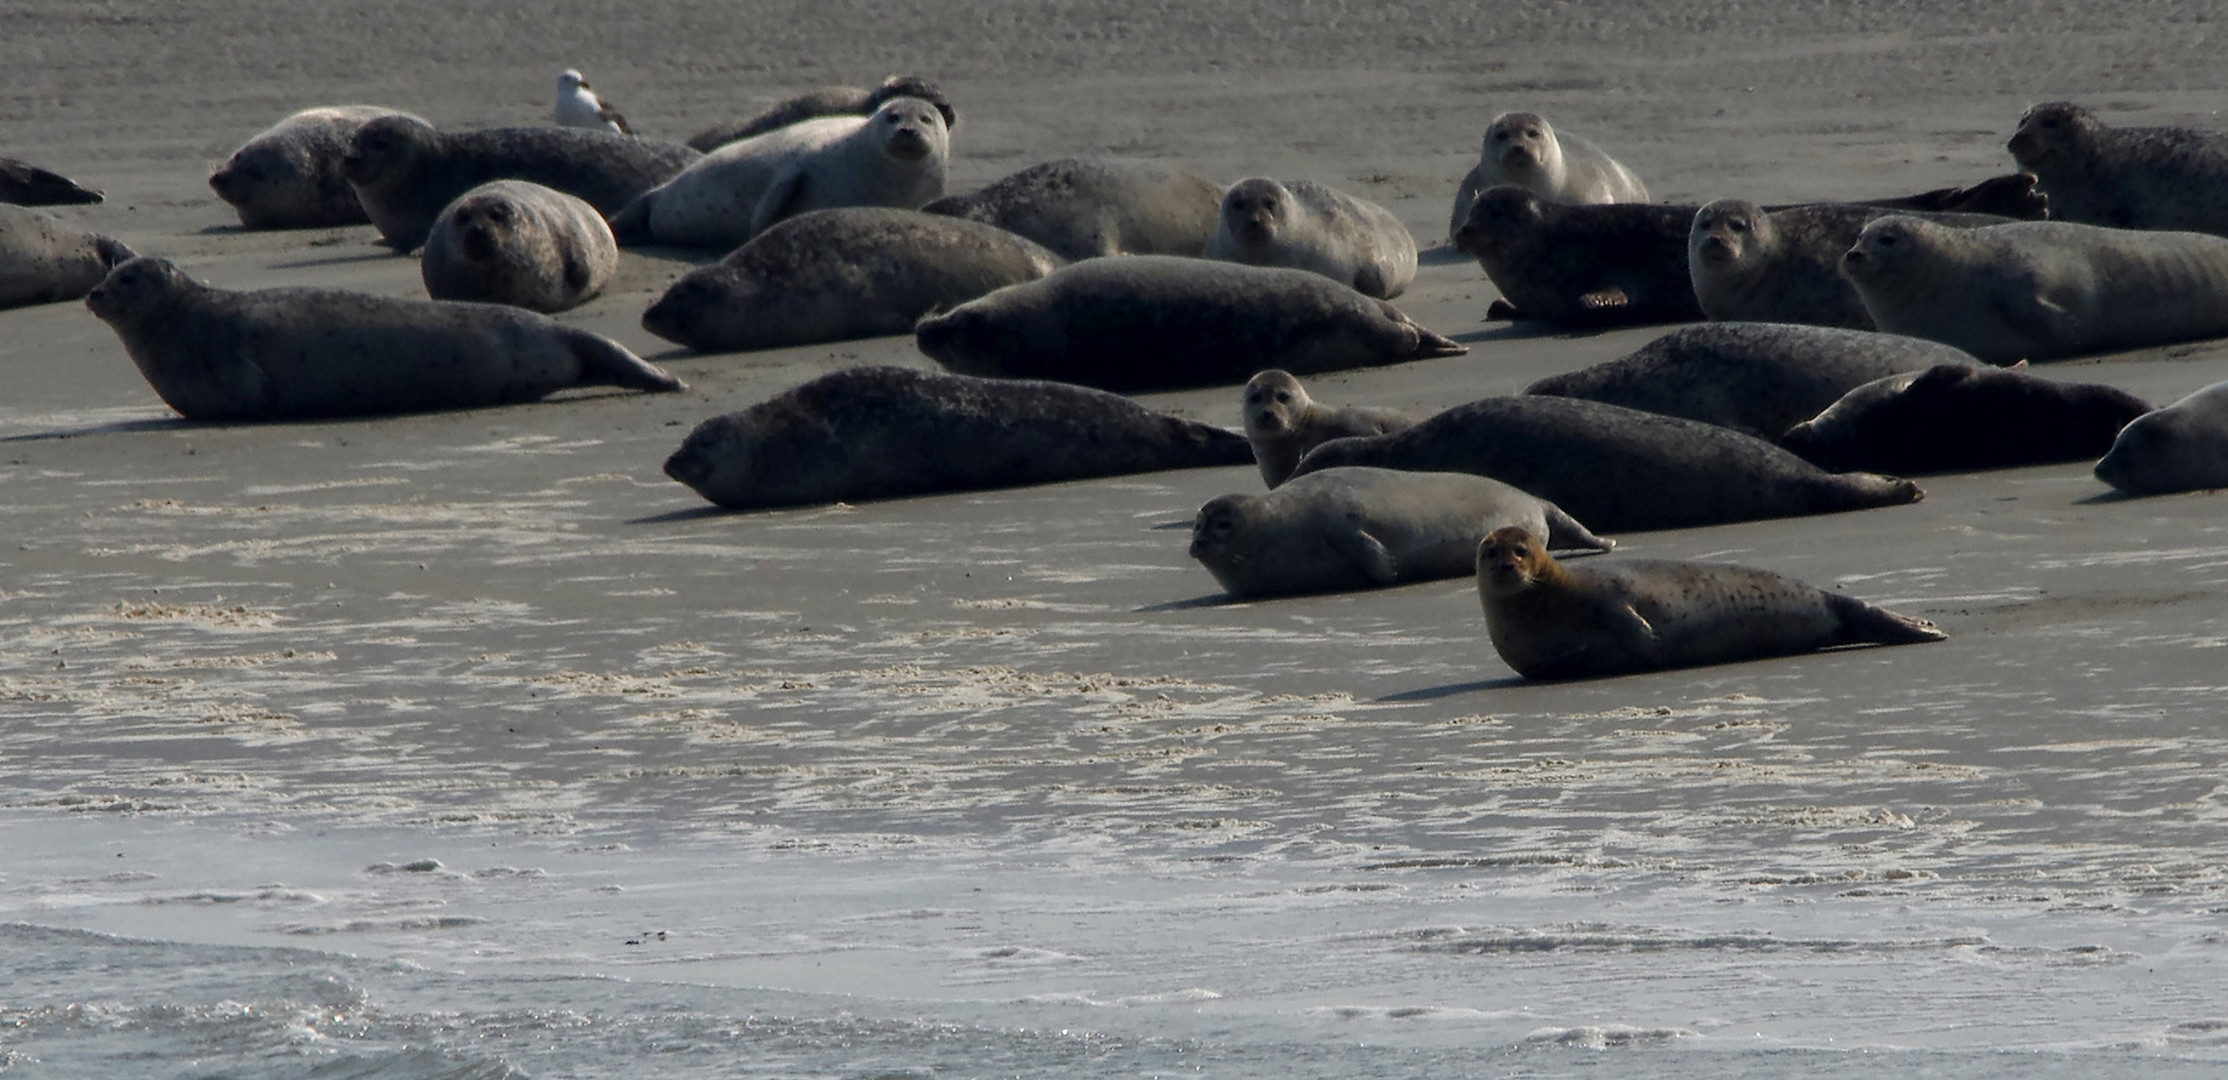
x: 1284, y: 397
x: 1737, y: 226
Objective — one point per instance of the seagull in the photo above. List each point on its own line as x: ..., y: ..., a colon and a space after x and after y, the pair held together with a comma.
x: 578, y: 106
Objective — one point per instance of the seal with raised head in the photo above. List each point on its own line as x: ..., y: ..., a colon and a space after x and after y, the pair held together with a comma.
x: 2182, y: 447
x: 282, y: 354
x: 1963, y: 417
x: 1084, y: 208
x: 1308, y: 226
x: 1363, y: 528
x: 519, y: 243
x: 1283, y: 423
x: 893, y: 158
x: 1157, y: 322
x: 1618, y: 616
x: 43, y: 260
x: 406, y: 173
x: 2172, y: 178
x: 2040, y: 290
x: 25, y: 184
x: 1616, y: 468
x: 833, y: 275
x: 291, y: 174
x: 827, y: 101
x: 888, y: 432
x: 1523, y: 149
x: 1784, y: 266
x: 1757, y: 378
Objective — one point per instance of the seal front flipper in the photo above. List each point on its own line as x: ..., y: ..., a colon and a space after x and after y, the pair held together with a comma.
x: 1368, y: 555
x: 774, y: 205
x: 1604, y: 299
x: 631, y: 225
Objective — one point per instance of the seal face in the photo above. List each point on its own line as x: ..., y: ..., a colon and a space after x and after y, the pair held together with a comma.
x: 519, y: 243
x: 272, y: 354
x: 1364, y: 528
x: 1961, y: 417
x: 1283, y: 423
x: 290, y: 176
x: 1615, y: 617
x: 43, y: 260
x: 833, y: 275
x: 1523, y: 149
x: 1150, y: 322
x: 25, y: 184
x: 1083, y: 208
x: 2182, y: 447
x: 1308, y: 226
x: 2171, y: 178
x: 886, y: 432
x: 827, y: 101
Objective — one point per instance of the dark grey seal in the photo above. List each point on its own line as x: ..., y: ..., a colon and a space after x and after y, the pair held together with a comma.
x: 2125, y: 177
x: 826, y: 101
x: 1961, y: 417
x: 290, y: 175
x: 25, y: 184
x: 1083, y: 208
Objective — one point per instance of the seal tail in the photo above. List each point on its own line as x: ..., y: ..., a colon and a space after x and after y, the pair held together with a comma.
x: 1565, y: 533
x: 631, y: 225
x: 1864, y: 624
x: 604, y: 362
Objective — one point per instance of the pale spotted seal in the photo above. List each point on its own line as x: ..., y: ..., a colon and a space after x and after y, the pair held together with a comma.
x: 578, y: 105
x: 1365, y: 528
x: 2182, y: 447
x: 887, y: 432
x: 1783, y: 266
x: 1961, y: 417
x: 827, y: 101
x: 43, y: 260
x: 1618, y: 616
x: 1283, y: 423
x: 519, y: 243
x: 2129, y: 178
x: 290, y: 175
x: 276, y: 354
x: 1150, y: 322
x: 1307, y: 226
x: 1084, y: 208
x: 2040, y: 290
x: 25, y: 184
x: 833, y: 275
x: 1523, y: 149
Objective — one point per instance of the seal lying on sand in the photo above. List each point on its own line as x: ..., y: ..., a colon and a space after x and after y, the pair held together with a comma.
x: 1151, y: 322
x: 887, y: 432
x: 519, y: 243
x: 827, y: 101
x: 290, y: 175
x: 1308, y: 226
x: 2182, y: 447
x: 1361, y: 528
x: 1757, y: 378
x: 1521, y: 148
x: 2125, y: 178
x: 1616, y: 468
x: 43, y: 260
x: 1613, y: 617
x: 2040, y: 290
x: 833, y: 275
x: 25, y: 184
x: 1283, y: 423
x: 1962, y: 417
x: 276, y: 354
x: 1784, y: 266
x: 1084, y: 208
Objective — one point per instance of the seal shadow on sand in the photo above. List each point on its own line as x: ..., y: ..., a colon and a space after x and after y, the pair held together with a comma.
x: 1433, y: 693
x: 120, y: 427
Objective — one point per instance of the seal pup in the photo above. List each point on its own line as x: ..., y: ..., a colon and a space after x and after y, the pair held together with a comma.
x: 294, y: 353
x: 888, y: 432
x: 1615, y: 617
x: 1156, y: 322
x: 581, y: 107
x: 1308, y: 226
x: 893, y: 158
x: 1361, y: 528
x: 827, y: 101
x: 2040, y: 290
x: 43, y: 260
x: 1083, y: 208
x: 1523, y: 149
x: 834, y: 275
x: 290, y: 175
x: 1616, y: 468
x: 1756, y: 378
x: 25, y: 184
x: 519, y: 243
x: 405, y: 172
x: 1961, y: 417
x: 2173, y: 178
x: 1747, y: 263
x: 2182, y: 447
x: 1282, y: 422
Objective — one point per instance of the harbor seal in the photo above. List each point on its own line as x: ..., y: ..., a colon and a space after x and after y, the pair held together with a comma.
x: 290, y: 175
x: 581, y: 107
x: 827, y: 101
x: 2173, y: 178
x: 2182, y: 447
x: 1616, y: 468
x: 1756, y: 378
x: 43, y: 260
x: 405, y: 172
x: 1282, y: 423
x: 1083, y: 208
x: 1747, y: 263
x: 25, y: 184
x: 834, y: 275
x: 1615, y: 617
x: 893, y: 158
x: 1308, y: 226
x: 519, y: 243
x: 888, y: 432
x: 2040, y: 290
x: 283, y: 354
x: 1523, y: 149
x: 1363, y: 528
x: 1958, y: 417
x: 1155, y: 322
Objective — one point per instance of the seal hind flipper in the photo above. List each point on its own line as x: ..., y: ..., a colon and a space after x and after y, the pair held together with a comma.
x: 1864, y: 624
x: 1564, y: 532
x: 604, y: 362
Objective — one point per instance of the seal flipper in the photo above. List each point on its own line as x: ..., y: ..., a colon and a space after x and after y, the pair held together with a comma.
x: 1367, y: 554
x: 1864, y: 624
x: 604, y: 362
x: 1565, y: 532
x: 774, y: 204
